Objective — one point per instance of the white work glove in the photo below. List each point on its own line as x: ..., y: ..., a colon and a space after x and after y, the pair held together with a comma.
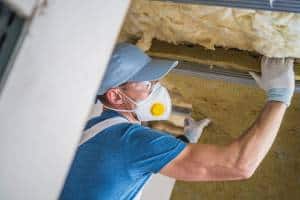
x: 193, y: 129
x: 277, y: 79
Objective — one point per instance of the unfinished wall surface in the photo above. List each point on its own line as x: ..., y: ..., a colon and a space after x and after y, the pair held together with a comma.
x: 275, y: 34
x: 232, y: 109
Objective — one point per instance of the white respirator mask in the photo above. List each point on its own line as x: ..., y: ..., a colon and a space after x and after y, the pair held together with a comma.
x: 157, y: 106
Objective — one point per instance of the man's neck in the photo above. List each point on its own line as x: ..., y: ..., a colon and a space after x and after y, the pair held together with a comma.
x: 130, y: 116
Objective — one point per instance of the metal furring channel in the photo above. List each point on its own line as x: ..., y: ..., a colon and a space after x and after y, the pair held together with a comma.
x: 271, y: 5
x: 218, y: 73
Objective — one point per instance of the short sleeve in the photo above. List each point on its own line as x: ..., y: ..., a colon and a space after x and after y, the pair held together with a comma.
x: 150, y: 150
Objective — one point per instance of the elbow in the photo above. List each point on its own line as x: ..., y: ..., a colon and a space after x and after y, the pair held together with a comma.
x: 243, y: 165
x: 246, y: 172
x: 245, y: 169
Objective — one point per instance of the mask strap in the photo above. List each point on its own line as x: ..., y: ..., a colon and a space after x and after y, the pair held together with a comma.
x: 130, y: 99
x: 122, y: 110
x: 115, y: 109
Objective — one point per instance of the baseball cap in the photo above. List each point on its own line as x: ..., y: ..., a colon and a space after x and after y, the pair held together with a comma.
x: 129, y: 63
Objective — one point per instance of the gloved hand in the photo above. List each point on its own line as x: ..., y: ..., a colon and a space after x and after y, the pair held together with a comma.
x: 277, y: 79
x: 193, y: 129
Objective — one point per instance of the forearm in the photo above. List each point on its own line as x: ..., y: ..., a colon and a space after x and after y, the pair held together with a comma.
x: 253, y: 145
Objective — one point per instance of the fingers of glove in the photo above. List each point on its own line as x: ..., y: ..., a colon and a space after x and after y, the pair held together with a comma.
x: 289, y: 61
x: 203, y: 123
x: 290, y: 67
x: 281, y: 67
x: 264, y: 60
x: 267, y: 62
x: 291, y: 75
x: 266, y: 65
x: 188, y: 121
x: 280, y: 61
x: 257, y: 78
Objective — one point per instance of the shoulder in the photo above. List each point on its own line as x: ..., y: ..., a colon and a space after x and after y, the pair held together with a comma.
x: 137, y: 131
x: 148, y: 150
x: 142, y: 136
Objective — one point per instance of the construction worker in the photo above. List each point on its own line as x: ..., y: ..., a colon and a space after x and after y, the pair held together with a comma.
x: 117, y: 155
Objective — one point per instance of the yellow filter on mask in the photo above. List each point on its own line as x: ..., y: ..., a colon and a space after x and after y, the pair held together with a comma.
x: 157, y: 109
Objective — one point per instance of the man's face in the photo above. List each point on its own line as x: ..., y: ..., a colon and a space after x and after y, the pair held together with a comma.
x: 138, y: 91
x: 119, y: 97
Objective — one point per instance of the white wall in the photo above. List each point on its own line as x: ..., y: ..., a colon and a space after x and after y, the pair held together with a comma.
x: 158, y: 187
x: 47, y: 96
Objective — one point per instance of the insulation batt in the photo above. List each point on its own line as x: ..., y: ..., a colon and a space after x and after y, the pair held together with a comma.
x: 274, y: 34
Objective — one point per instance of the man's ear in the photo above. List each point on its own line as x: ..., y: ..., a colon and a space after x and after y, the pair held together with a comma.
x: 114, y: 97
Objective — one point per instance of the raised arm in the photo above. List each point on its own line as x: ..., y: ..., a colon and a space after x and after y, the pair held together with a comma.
x: 239, y: 159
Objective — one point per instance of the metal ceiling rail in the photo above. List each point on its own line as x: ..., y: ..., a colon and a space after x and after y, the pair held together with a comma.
x: 277, y: 5
x: 217, y: 73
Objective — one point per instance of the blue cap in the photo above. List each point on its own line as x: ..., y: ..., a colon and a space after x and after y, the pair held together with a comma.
x: 129, y: 63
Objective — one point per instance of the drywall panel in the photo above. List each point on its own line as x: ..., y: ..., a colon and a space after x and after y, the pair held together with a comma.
x: 48, y: 93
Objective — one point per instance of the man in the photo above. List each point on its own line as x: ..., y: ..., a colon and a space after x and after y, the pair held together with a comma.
x: 117, y: 155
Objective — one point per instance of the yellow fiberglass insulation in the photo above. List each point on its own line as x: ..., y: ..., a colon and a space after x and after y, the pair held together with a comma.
x: 274, y: 34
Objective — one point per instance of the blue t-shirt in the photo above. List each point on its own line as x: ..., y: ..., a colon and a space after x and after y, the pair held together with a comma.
x: 116, y: 163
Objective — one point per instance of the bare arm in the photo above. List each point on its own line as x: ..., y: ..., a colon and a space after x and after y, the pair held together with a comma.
x: 257, y: 140
x: 237, y: 160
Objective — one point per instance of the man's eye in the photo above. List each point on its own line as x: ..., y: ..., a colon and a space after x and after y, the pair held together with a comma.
x: 146, y: 84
